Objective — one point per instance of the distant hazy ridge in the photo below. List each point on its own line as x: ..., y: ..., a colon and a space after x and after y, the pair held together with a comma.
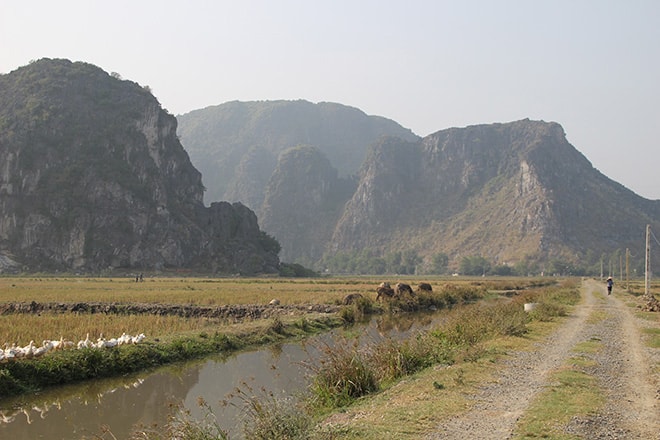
x: 508, y: 191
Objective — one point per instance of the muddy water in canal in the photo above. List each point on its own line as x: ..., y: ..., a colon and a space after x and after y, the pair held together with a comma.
x: 83, y: 411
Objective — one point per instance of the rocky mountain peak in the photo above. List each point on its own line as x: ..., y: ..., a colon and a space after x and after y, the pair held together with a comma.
x: 95, y: 178
x: 505, y: 191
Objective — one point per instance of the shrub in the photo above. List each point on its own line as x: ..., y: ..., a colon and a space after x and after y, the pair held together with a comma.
x: 552, y: 301
x: 357, y: 310
x: 183, y: 427
x: 271, y: 418
x: 303, y: 324
x: 394, y: 359
x: 545, y: 312
x: 348, y: 314
x: 342, y: 375
x: 473, y: 324
x: 276, y: 326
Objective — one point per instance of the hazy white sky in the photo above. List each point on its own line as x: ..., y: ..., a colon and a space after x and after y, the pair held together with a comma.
x: 591, y: 65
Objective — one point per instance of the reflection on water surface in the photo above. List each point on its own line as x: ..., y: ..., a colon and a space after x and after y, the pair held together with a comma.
x: 81, y: 411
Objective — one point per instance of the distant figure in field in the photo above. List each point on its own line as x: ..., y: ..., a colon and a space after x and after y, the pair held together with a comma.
x: 610, y: 283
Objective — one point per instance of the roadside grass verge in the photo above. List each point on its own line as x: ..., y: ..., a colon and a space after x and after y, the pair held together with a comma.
x: 268, y: 417
x: 651, y: 334
x: 647, y: 316
x: 652, y: 337
x: 637, y: 287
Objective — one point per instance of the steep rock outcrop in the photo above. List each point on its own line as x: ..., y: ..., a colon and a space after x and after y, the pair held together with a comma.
x: 303, y: 202
x: 94, y: 177
x: 504, y: 191
x: 251, y: 177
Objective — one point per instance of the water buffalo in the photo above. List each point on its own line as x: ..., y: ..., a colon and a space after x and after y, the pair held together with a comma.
x: 351, y: 298
x: 384, y: 290
x: 426, y: 287
x: 401, y: 289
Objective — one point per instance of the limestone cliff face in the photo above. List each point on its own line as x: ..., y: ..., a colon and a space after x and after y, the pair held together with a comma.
x: 93, y: 177
x: 251, y: 177
x: 503, y: 191
x: 303, y: 201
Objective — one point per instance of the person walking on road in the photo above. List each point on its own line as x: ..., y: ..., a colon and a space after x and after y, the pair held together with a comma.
x: 610, y: 283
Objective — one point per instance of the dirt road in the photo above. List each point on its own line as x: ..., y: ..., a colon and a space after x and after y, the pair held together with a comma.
x: 624, y: 368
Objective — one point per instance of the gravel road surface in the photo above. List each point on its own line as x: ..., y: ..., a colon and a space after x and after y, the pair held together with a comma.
x: 626, y: 369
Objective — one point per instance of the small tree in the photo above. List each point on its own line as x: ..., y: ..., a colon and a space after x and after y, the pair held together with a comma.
x: 439, y: 263
x: 502, y: 270
x: 410, y: 261
x: 474, y: 265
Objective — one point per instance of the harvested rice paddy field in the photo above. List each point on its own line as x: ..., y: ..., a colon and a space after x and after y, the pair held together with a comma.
x: 294, y: 296
x: 20, y: 328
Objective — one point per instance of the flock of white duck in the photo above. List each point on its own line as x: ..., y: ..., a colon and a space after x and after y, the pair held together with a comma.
x: 13, y: 352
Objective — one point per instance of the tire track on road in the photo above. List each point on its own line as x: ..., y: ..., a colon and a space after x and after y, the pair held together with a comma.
x: 499, y: 405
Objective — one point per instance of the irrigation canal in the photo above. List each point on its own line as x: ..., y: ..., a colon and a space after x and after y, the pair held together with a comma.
x: 83, y: 411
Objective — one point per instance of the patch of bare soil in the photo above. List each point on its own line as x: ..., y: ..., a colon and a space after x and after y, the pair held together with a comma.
x: 624, y: 368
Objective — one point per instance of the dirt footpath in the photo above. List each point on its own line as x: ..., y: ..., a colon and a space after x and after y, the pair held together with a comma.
x: 624, y: 368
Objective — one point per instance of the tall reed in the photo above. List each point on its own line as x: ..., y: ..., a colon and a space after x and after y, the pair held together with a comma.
x: 349, y: 370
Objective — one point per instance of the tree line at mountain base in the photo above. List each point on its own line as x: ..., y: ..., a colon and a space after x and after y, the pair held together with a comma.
x: 409, y: 262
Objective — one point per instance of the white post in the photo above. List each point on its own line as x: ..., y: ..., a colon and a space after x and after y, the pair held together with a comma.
x: 647, y: 277
x: 627, y: 270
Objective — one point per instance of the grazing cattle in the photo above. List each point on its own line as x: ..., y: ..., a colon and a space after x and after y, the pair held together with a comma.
x: 384, y: 290
x: 351, y: 298
x: 401, y: 289
x: 426, y: 287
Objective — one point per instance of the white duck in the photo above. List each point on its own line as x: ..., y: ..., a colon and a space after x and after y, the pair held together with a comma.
x: 86, y: 343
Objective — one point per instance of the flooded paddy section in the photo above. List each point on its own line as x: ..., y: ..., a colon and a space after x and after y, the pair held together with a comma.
x: 123, y: 405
